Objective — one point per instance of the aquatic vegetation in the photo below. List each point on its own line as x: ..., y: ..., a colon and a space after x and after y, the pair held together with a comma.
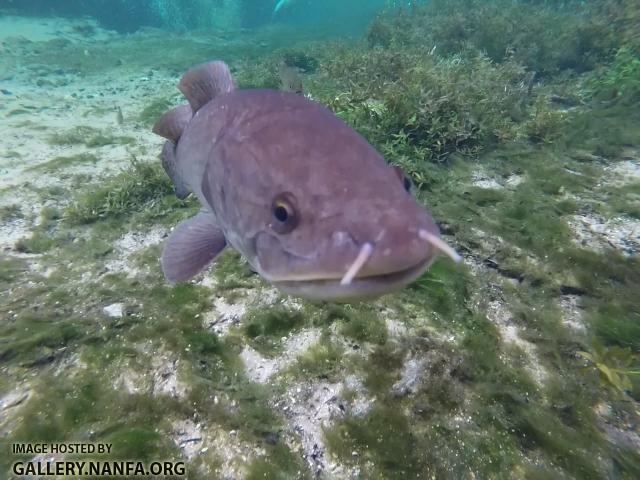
x: 621, y: 80
x: 300, y: 60
x: 88, y: 136
x: 544, y: 38
x: 362, y: 324
x: 43, y: 237
x: 266, y: 328
x: 624, y: 200
x: 547, y: 123
x: 423, y: 108
x: 154, y: 110
x: 38, y: 242
x: 325, y: 359
x: 142, y: 185
x: 615, y: 366
x: 10, y: 212
x: 56, y: 164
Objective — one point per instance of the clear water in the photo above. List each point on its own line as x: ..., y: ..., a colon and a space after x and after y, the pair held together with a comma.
x: 517, y: 123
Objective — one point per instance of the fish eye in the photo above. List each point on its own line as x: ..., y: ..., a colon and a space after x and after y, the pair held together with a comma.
x: 285, y: 217
x: 406, y: 181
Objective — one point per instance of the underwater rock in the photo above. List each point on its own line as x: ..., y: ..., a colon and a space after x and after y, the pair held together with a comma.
x: 13, y: 399
x: 165, y: 378
x: 598, y: 233
x: 114, y: 310
x: 411, y: 379
x: 187, y: 435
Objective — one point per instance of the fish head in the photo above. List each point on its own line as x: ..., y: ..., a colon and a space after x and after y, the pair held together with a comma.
x: 315, y: 208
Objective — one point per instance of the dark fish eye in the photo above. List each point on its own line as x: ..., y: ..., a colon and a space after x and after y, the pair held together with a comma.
x: 285, y: 217
x: 406, y: 181
x: 407, y: 184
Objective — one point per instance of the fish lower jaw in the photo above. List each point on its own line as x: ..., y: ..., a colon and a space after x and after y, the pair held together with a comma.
x: 360, y: 288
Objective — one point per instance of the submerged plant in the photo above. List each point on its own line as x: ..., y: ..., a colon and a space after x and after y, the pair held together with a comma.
x: 134, y: 189
x: 615, y: 365
x: 546, y: 123
x: 621, y: 80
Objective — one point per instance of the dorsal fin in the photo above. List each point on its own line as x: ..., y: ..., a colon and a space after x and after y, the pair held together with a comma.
x: 172, y: 124
x: 205, y: 82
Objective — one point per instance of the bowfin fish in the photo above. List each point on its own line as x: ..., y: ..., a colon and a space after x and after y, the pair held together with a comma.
x: 310, y: 204
x: 280, y: 5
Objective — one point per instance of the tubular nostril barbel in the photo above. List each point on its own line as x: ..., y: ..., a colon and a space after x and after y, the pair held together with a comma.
x: 365, y: 253
x: 440, y: 245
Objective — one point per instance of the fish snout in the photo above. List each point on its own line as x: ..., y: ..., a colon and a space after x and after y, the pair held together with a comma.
x: 398, y: 247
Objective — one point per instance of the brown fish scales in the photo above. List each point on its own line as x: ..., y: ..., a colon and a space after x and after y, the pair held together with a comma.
x: 310, y: 204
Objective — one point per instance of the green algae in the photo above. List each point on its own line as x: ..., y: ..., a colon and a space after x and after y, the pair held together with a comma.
x: 364, y: 325
x: 43, y: 237
x: 58, y: 163
x: 155, y: 109
x: 38, y: 242
x: 325, y: 359
x: 623, y: 200
x: 89, y: 137
x: 266, y: 328
x: 232, y: 273
x: 280, y: 463
x: 141, y: 185
x: 382, y: 436
x: 10, y: 212
x: 619, y: 81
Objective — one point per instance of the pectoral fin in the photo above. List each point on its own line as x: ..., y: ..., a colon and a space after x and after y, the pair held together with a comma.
x: 191, y: 247
x: 172, y: 124
x: 169, y: 163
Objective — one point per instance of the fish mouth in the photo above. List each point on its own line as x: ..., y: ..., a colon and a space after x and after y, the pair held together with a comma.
x: 359, y: 288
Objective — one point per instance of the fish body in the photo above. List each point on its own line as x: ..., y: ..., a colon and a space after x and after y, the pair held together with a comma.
x: 310, y: 204
x: 280, y: 5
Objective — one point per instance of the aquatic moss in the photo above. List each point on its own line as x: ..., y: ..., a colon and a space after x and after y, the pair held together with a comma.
x: 363, y: 324
x: 280, y: 463
x: 231, y: 272
x: 33, y: 338
x: 418, y: 108
x: 267, y: 327
x: 545, y: 38
x: 10, y: 269
x: 38, y: 242
x: 382, y: 437
x: 441, y: 292
x: 138, y: 187
x: 88, y: 136
x: 322, y: 360
x: 546, y: 123
x: 623, y: 200
x: 301, y: 60
x: 58, y: 163
x: 621, y: 80
x: 155, y: 109
x: 11, y: 212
